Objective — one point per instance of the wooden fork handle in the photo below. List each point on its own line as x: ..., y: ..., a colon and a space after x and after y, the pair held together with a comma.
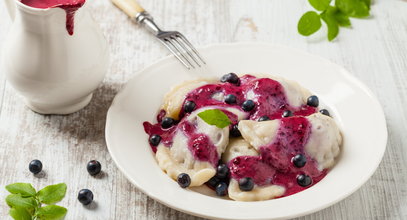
x: 130, y: 7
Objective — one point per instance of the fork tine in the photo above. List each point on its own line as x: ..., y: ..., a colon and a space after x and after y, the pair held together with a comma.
x: 179, y: 50
x: 184, y: 47
x: 164, y: 41
x: 182, y: 37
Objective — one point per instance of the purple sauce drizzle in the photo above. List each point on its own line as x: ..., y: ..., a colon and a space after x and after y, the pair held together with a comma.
x: 274, y: 165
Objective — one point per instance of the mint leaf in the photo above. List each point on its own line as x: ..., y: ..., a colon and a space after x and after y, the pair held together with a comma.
x: 51, y: 212
x: 354, y: 8
x: 52, y: 193
x: 342, y: 19
x: 24, y: 189
x: 19, y: 214
x: 16, y: 200
x: 309, y: 23
x: 328, y: 17
x: 320, y: 5
x: 215, y: 117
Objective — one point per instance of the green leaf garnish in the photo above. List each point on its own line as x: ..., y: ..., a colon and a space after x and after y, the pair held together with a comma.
x: 309, y: 23
x: 51, y: 212
x: 19, y: 214
x: 320, y: 5
x: 333, y: 15
x: 26, y: 204
x: 24, y: 189
x: 52, y: 193
x: 215, y: 117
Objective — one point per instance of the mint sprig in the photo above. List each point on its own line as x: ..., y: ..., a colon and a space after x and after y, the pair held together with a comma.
x: 26, y: 204
x: 334, y: 16
x: 215, y: 117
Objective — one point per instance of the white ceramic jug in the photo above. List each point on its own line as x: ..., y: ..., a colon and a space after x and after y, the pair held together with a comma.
x: 54, y: 71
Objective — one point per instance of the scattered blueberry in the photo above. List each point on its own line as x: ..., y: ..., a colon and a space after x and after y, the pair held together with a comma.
x: 234, y: 132
x: 222, y: 171
x: 35, y: 166
x: 313, y: 101
x: 155, y: 139
x: 189, y: 106
x: 248, y: 105
x: 94, y: 167
x: 230, y: 78
x: 264, y: 118
x: 230, y: 99
x: 287, y: 113
x: 221, y: 189
x: 213, y: 182
x: 167, y: 122
x: 246, y: 184
x: 304, y: 180
x: 324, y: 112
x: 184, y: 180
x: 85, y: 196
x: 299, y: 160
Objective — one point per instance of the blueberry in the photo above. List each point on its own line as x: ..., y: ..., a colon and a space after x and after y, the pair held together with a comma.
x: 35, y: 166
x: 234, y: 132
x: 304, y: 180
x: 230, y: 78
x: 248, y: 105
x: 230, y: 99
x: 264, y: 118
x: 189, y: 106
x: 299, y: 160
x: 221, y: 189
x: 167, y: 122
x: 313, y: 101
x: 94, y: 167
x: 246, y: 184
x: 324, y: 112
x: 287, y: 113
x: 222, y: 171
x: 85, y: 196
x: 184, y: 180
x: 213, y: 182
x: 155, y: 139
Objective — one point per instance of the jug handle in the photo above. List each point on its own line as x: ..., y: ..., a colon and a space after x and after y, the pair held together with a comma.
x: 11, y: 8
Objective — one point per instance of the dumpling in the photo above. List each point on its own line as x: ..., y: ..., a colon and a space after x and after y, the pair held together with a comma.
x: 238, y: 147
x: 195, y: 153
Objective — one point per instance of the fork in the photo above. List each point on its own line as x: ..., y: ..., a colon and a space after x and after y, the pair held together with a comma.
x: 173, y: 40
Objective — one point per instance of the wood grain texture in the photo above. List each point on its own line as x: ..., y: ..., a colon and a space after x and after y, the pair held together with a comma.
x: 374, y: 50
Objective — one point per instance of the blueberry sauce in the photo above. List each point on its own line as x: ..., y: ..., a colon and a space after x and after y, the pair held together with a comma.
x: 69, y: 6
x: 274, y: 165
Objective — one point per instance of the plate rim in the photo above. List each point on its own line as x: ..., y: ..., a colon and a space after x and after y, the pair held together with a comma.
x: 170, y: 58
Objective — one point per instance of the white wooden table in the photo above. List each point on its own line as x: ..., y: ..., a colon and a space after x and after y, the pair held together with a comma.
x: 374, y: 50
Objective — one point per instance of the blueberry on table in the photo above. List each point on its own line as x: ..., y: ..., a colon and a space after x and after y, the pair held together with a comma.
x: 248, y: 105
x: 304, y: 180
x: 213, y: 182
x: 167, y: 122
x: 264, y: 118
x: 287, y: 113
x: 35, y: 166
x: 313, y: 101
x: 189, y: 106
x: 184, y: 180
x: 155, y: 139
x: 222, y: 171
x: 230, y: 78
x: 324, y: 112
x: 234, y: 132
x: 94, y: 167
x: 299, y: 160
x: 230, y: 99
x: 221, y: 189
x: 85, y: 196
x: 246, y: 184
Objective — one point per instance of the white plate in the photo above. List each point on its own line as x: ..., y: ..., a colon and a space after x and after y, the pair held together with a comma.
x: 354, y: 107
